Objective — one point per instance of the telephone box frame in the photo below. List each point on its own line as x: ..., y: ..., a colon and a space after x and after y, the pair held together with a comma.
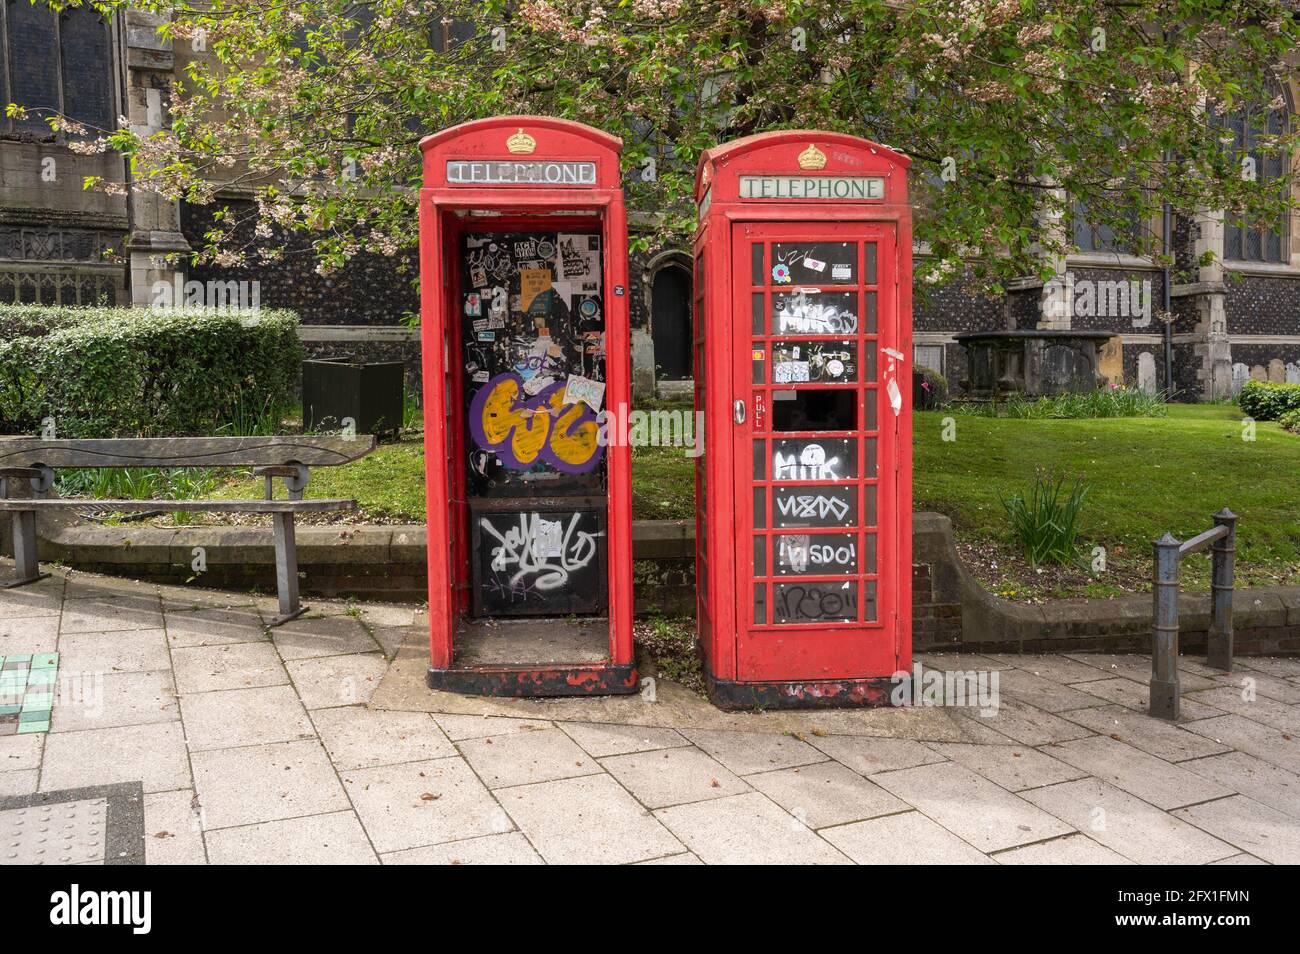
x: 789, y: 155
x: 446, y: 210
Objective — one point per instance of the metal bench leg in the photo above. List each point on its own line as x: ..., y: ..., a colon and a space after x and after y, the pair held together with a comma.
x: 286, y: 570
x: 1164, y: 652
x: 27, y: 569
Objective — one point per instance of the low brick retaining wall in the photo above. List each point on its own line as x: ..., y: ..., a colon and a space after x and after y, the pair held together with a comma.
x: 952, y: 612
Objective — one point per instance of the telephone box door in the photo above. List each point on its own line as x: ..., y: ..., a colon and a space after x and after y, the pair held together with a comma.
x: 816, y: 440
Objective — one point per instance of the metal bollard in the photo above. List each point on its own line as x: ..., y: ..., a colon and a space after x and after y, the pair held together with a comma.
x: 1218, y: 653
x: 1164, y: 653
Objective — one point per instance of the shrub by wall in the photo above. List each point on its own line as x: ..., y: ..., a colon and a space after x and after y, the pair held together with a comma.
x: 116, y: 372
x: 1268, y: 400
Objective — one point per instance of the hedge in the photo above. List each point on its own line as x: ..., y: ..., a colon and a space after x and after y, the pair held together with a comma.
x: 115, y: 372
x: 1267, y: 401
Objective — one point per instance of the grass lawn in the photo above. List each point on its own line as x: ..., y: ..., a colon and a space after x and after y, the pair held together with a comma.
x: 1146, y: 476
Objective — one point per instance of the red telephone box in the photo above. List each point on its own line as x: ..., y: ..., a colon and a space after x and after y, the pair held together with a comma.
x: 523, y: 275
x: 803, y: 275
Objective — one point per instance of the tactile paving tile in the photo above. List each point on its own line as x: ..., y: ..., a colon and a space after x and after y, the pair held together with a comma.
x: 61, y: 833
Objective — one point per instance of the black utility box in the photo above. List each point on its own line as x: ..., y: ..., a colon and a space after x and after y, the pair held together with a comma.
x: 370, y: 393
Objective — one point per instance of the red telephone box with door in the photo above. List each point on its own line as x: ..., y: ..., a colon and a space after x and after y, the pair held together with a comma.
x: 803, y: 275
x: 523, y: 275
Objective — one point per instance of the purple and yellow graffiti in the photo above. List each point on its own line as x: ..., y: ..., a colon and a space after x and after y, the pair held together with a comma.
x: 522, y: 430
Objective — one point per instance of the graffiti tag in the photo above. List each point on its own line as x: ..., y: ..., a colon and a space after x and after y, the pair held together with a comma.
x: 521, y: 430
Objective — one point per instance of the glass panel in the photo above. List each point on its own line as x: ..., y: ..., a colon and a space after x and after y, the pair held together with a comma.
x: 818, y: 362
x: 814, y: 313
x: 756, y: 264
x: 869, y: 600
x: 815, y: 602
x: 869, y: 317
x: 756, y: 310
x: 815, y: 263
x: 869, y: 457
x: 820, y: 410
x: 758, y: 375
x: 869, y: 511
x: 827, y: 506
x: 760, y: 603
x: 760, y: 555
x: 870, y: 266
x: 869, y: 400
x: 815, y: 458
x: 869, y: 373
x: 816, y: 554
x: 760, y: 460
x: 760, y: 508
x: 869, y: 553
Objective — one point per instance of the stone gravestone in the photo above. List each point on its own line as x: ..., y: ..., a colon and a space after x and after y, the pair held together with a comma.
x: 1257, y: 373
x: 1277, y: 371
x: 1292, y: 373
x: 1146, y: 373
x: 1240, y: 375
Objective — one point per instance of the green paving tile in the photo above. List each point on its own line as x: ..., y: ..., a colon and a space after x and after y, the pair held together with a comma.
x: 27, y: 692
x: 34, y: 715
x: 38, y: 700
x: 9, y: 709
x: 18, y: 658
x: 25, y: 727
x: 45, y: 661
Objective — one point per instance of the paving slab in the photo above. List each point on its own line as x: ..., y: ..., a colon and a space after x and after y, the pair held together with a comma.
x: 1057, y: 668
x: 1137, y: 696
x: 215, y: 626
x: 153, y: 753
x: 1024, y: 723
x: 92, y: 701
x: 602, y: 740
x: 19, y: 752
x: 968, y: 662
x: 511, y: 848
x: 1284, y: 667
x: 173, y: 829
x: 1242, y: 859
x: 1252, y: 777
x: 264, y: 783
x: 337, y: 680
x: 1154, y: 780
x: 869, y: 756
x: 1262, y: 741
x: 228, y: 666
x: 1258, y: 829
x: 748, y: 830
x: 35, y: 599
x: 908, y: 838
x: 685, y: 858
x: 1164, y: 740
x: 825, y: 794
x: 970, y: 806
x: 587, y: 820
x: 1071, y: 850
x: 415, y: 804
x: 237, y: 717
x: 139, y: 650
x: 1262, y: 683
x: 748, y: 752
x: 521, y: 758
x: 674, y: 776
x: 336, y: 838
x: 110, y: 613
x: 1128, y: 825
x: 1046, y: 694
x: 306, y: 638
x: 18, y: 782
x: 29, y: 635
x: 459, y: 727
x: 1260, y: 709
x: 356, y: 737
x: 1013, y: 767
x: 1137, y: 668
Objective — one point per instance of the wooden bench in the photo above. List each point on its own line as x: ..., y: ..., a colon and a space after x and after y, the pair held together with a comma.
x: 288, y: 458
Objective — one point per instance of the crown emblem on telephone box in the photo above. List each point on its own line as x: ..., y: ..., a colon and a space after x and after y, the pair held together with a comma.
x: 812, y: 158
x: 521, y: 144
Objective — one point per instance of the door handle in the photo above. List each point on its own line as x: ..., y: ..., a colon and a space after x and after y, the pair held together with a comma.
x: 738, y: 412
